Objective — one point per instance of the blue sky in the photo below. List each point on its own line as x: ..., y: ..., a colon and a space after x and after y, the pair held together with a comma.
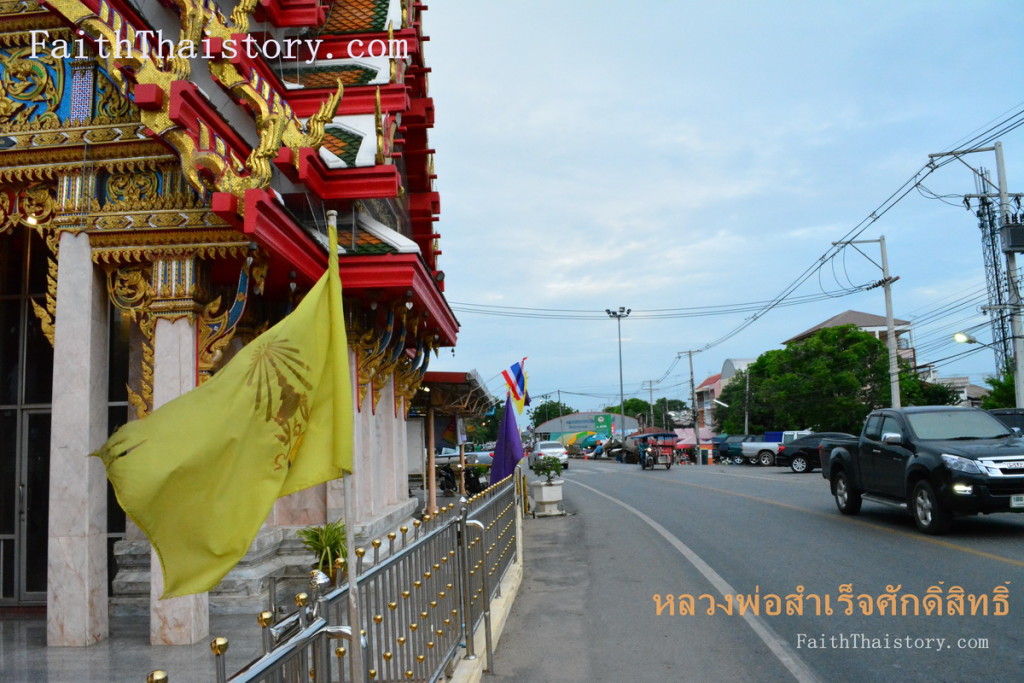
x: 671, y: 155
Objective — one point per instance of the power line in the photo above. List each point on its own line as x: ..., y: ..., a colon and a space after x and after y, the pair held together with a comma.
x: 785, y: 297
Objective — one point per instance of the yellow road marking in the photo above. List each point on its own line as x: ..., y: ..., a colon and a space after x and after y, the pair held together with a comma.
x: 877, y: 527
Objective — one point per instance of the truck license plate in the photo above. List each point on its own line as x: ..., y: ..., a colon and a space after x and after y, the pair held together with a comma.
x: 1017, y: 501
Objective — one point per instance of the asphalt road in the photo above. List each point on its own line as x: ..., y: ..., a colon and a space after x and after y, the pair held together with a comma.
x: 586, y: 610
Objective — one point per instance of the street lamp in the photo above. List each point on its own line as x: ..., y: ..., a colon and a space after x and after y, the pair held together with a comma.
x: 623, y: 312
x: 967, y: 338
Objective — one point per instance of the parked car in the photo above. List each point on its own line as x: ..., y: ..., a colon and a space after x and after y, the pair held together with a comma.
x: 729, y: 449
x: 480, y: 457
x: 548, y: 448
x: 936, y: 462
x: 450, y: 456
x: 764, y: 452
x: 801, y: 454
x: 447, y: 456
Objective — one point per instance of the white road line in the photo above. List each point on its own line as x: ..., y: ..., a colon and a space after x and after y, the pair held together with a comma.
x: 779, y: 647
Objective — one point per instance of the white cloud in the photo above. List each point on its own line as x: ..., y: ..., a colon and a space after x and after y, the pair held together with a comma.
x: 585, y: 162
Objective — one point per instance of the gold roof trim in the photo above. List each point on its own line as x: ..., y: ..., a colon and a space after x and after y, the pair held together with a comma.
x: 115, y: 247
x: 276, y: 122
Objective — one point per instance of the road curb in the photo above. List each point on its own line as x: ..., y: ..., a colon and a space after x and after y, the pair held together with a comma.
x: 471, y: 670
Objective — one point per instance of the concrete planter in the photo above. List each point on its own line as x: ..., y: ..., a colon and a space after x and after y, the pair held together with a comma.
x: 546, y: 497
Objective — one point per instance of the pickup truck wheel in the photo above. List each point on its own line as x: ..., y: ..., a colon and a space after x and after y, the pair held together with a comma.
x: 799, y: 464
x: 766, y: 458
x: 848, y: 499
x: 737, y: 460
x: 929, y: 514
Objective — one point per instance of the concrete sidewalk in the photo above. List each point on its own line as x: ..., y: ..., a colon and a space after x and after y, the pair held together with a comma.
x: 127, y: 655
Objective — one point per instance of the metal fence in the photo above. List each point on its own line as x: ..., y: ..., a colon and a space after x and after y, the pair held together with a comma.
x: 413, y: 594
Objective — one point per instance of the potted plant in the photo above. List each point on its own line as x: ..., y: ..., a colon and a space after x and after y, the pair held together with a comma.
x: 328, y: 543
x: 549, y: 466
x: 547, y: 493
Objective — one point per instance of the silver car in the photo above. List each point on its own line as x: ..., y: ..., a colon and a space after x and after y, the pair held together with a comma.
x: 549, y: 448
x: 480, y: 457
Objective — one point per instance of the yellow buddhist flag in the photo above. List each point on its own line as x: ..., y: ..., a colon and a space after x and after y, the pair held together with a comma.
x: 201, y: 473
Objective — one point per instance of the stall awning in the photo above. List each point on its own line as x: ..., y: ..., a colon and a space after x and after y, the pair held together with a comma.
x: 453, y: 393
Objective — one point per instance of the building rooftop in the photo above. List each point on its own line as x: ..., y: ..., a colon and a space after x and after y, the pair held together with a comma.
x: 709, y: 381
x: 858, y: 318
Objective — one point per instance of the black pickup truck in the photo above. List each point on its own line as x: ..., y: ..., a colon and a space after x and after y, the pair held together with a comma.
x: 935, y: 461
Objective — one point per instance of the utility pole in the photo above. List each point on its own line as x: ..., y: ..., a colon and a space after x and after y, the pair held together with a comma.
x: 650, y: 405
x: 623, y: 312
x: 1011, y: 278
x: 694, y: 410
x: 1016, y: 329
x: 746, y: 402
x: 890, y: 327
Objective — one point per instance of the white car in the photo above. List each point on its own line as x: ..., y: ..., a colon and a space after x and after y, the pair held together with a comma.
x: 546, y: 448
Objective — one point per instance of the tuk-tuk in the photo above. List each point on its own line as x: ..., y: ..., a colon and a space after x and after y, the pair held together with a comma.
x: 657, y: 449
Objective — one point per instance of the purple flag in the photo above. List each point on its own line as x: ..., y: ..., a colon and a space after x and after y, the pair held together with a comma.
x: 509, y: 447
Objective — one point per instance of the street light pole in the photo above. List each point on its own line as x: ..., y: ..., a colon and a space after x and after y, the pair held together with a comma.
x: 623, y: 312
x: 1016, y: 325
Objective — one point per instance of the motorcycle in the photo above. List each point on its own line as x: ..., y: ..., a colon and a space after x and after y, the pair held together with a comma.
x: 447, y: 483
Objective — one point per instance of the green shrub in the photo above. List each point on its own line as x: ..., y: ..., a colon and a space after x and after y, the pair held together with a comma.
x: 548, y: 466
x: 328, y: 543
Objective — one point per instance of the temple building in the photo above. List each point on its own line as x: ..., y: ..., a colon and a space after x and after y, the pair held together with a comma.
x: 165, y: 173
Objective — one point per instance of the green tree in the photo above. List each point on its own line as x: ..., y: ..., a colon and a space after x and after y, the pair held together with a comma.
x: 731, y: 419
x: 827, y: 382
x: 662, y: 408
x: 1003, y: 393
x: 914, y: 391
x: 632, y: 407
x: 484, y: 428
x: 548, y: 410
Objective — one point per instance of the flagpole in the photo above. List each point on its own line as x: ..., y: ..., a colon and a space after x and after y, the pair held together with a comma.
x: 358, y: 673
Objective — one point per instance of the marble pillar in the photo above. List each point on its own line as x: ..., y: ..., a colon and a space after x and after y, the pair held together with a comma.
x: 335, y: 499
x: 76, y: 600
x: 362, y: 462
x: 184, y: 620
x: 302, y: 508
